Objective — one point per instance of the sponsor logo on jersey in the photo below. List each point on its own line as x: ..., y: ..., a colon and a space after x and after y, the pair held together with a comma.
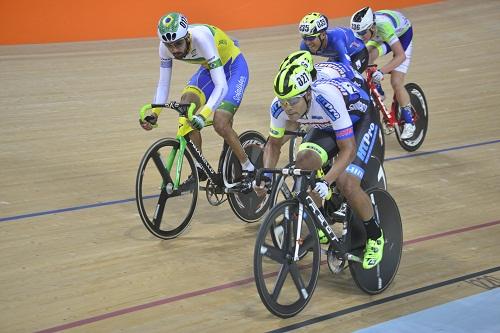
x: 240, y: 88
x: 366, y: 144
x: 328, y: 107
x: 355, y: 170
x: 274, y: 132
x: 214, y: 64
x: 358, y: 106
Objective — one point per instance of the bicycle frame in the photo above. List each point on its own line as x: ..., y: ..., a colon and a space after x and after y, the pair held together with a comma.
x: 305, y: 199
x: 389, y: 116
x: 183, y: 129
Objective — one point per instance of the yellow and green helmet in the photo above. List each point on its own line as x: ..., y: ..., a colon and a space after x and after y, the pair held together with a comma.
x: 291, y: 81
x: 172, y: 27
x: 303, y: 58
x: 313, y: 24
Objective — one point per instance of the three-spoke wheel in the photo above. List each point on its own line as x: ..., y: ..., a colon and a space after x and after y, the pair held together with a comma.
x: 166, y: 189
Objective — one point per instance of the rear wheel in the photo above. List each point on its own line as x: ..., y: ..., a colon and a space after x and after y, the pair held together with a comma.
x: 285, y: 286
x: 374, y: 175
x: 247, y: 206
x: 420, y: 115
x: 377, y: 279
x: 166, y: 209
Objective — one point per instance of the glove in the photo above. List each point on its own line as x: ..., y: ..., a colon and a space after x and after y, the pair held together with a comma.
x: 377, y: 76
x: 149, y: 122
x: 198, y: 121
x: 322, y: 188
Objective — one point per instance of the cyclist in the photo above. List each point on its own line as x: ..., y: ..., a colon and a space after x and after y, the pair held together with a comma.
x: 329, y: 70
x: 383, y: 32
x: 218, y: 85
x: 330, y: 107
x: 337, y: 44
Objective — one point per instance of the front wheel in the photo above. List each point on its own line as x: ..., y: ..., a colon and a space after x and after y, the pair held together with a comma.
x: 247, y: 206
x: 285, y: 286
x: 166, y: 189
x: 420, y: 114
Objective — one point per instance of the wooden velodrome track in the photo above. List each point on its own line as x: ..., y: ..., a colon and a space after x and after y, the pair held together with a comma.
x: 76, y: 257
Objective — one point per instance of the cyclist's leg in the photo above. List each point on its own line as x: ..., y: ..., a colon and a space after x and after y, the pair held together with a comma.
x: 194, y: 93
x: 317, y: 149
x: 349, y: 184
x: 398, y: 84
x: 237, y: 80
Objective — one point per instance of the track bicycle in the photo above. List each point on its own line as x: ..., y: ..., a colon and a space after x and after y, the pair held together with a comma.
x: 391, y: 118
x: 169, y: 174
x: 287, y: 253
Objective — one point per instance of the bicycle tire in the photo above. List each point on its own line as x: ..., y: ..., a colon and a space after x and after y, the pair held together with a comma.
x: 248, y: 207
x: 421, y: 116
x: 268, y: 257
x: 157, y: 218
x: 377, y: 279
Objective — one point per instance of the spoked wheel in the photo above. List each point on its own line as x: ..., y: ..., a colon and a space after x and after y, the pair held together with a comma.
x: 420, y: 117
x: 285, y: 286
x: 374, y: 175
x: 247, y: 206
x: 377, y: 279
x: 165, y: 208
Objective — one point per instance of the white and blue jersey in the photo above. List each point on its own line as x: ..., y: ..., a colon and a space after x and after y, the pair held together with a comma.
x: 335, y: 105
x: 330, y: 70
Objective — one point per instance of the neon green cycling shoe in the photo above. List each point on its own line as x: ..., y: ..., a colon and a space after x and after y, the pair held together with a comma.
x: 322, y: 237
x: 374, y: 251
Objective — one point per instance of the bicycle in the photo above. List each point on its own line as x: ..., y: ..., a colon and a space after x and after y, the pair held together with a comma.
x: 172, y: 165
x: 391, y: 119
x: 288, y: 236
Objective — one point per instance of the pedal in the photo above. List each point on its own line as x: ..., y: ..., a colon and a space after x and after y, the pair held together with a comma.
x: 335, y: 264
x: 388, y: 130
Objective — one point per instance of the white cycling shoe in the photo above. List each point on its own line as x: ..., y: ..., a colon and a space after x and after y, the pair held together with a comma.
x: 408, y: 131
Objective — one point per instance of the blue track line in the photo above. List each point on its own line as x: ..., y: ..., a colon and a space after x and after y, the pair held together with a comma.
x: 108, y: 203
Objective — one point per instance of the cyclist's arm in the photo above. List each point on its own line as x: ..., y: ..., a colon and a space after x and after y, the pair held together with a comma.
x: 388, y: 35
x: 163, y: 88
x: 336, y: 110
x: 209, y: 51
x: 398, y: 57
x: 347, y: 153
x: 279, y: 122
x: 341, y: 48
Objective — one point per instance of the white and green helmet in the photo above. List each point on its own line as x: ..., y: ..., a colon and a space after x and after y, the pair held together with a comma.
x: 312, y: 24
x: 172, y: 27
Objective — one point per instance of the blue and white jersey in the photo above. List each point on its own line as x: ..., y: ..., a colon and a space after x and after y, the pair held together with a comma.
x: 330, y: 70
x: 335, y: 105
x: 340, y: 46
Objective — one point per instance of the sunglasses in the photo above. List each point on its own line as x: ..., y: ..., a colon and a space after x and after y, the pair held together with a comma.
x: 310, y: 38
x: 178, y: 43
x: 292, y: 100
